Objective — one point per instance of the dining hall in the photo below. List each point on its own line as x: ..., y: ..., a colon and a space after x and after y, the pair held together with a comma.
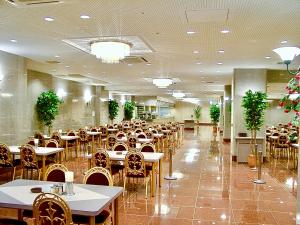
x: 139, y: 112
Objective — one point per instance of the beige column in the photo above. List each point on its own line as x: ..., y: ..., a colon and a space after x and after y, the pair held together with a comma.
x: 227, y: 114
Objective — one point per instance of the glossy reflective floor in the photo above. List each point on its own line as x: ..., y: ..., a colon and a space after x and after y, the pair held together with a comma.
x: 210, y: 189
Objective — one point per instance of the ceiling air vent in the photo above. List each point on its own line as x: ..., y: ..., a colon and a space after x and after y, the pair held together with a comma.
x: 24, y: 3
x: 134, y: 60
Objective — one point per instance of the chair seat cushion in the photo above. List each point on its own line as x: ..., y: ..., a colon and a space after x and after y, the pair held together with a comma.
x: 77, y: 219
x: 11, y: 222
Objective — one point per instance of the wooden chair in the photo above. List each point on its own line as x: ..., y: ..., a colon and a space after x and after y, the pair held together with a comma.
x: 97, y: 176
x: 138, y: 130
x: 56, y: 173
x: 41, y: 138
x: 281, y: 145
x: 50, y: 209
x: 52, y: 143
x: 103, y: 137
x: 29, y: 162
x: 83, y: 140
x: 120, y: 134
x: 135, y: 168
x: 149, y: 134
x: 6, y: 162
x: 132, y: 140
x: 111, y: 141
x: 120, y: 147
x: 147, y: 147
x: 56, y: 136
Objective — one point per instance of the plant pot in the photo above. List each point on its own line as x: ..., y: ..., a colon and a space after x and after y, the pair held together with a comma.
x: 251, y: 160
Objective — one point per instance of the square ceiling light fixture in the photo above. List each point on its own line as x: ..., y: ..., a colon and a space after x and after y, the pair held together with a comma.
x: 111, y: 49
x: 207, y: 15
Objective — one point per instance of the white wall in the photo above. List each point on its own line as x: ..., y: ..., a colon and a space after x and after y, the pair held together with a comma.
x: 184, y: 110
x: 275, y: 114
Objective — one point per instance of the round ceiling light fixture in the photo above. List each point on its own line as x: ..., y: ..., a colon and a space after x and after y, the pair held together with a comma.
x: 110, y: 51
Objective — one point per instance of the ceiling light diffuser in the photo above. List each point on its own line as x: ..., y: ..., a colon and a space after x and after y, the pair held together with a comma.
x: 85, y: 17
x: 110, y: 51
x: 178, y: 95
x: 225, y: 31
x: 49, y: 19
x: 162, y: 82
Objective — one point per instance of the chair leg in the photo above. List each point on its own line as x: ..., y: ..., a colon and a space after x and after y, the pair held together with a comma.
x: 14, y: 173
x: 124, y: 185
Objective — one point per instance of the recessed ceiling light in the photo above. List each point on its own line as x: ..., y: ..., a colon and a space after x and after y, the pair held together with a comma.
x: 225, y: 31
x: 195, y: 51
x: 219, y: 63
x: 283, y: 42
x: 218, y: 71
x: 67, y: 66
x: 14, y: 40
x: 85, y: 17
x: 148, y: 64
x: 199, y: 63
x: 129, y: 64
x: 221, y: 51
x: 56, y: 56
x: 201, y: 71
x: 190, y: 32
x: 268, y: 57
x: 49, y: 19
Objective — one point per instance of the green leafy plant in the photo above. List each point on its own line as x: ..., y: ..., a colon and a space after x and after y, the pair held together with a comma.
x: 113, y: 109
x: 128, y: 110
x: 214, y: 113
x: 47, y: 107
x: 254, y: 104
x: 197, y: 112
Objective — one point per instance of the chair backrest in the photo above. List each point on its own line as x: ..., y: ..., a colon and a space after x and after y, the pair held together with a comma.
x: 154, y: 131
x: 111, y: 140
x: 138, y: 130
x: 5, y: 156
x: 147, y: 147
x: 56, y: 135
x: 41, y: 138
x: 132, y: 140
x: 120, y: 147
x: 101, y: 159
x: 56, y: 173
x: 275, y: 134
x: 71, y: 133
x: 50, y: 209
x: 110, y: 126
x: 103, y: 131
x: 83, y: 135
x: 31, y: 141
x: 282, y: 139
x: 135, y: 164
x: 28, y: 156
x: 120, y: 134
x: 141, y: 135
x: 94, y: 129
x: 52, y: 143
x: 98, y: 176
x: 149, y: 134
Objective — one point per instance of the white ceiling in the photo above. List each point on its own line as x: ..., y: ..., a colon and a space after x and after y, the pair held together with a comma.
x: 256, y: 27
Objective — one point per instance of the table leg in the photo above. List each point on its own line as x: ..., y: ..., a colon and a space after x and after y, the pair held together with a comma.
x: 77, y: 148
x: 20, y: 215
x: 294, y: 156
x: 116, y: 211
x: 44, y: 166
x: 67, y: 150
x: 90, y: 163
x: 153, y: 180
x: 60, y: 157
x: 93, y: 144
x: 92, y: 220
x: 160, y: 172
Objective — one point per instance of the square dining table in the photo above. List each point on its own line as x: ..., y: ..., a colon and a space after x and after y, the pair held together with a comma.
x: 149, y: 157
x: 88, y: 200
x: 39, y: 151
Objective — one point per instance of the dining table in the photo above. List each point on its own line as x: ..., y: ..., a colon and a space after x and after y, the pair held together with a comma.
x: 88, y: 200
x: 67, y: 140
x: 149, y: 157
x: 39, y: 151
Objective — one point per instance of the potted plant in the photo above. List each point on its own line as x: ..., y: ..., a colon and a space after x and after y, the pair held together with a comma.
x: 197, y: 112
x: 128, y: 110
x: 113, y: 109
x: 254, y: 104
x: 214, y: 113
x: 47, y: 108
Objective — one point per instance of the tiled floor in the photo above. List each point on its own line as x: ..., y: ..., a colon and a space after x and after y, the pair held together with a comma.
x: 210, y: 190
